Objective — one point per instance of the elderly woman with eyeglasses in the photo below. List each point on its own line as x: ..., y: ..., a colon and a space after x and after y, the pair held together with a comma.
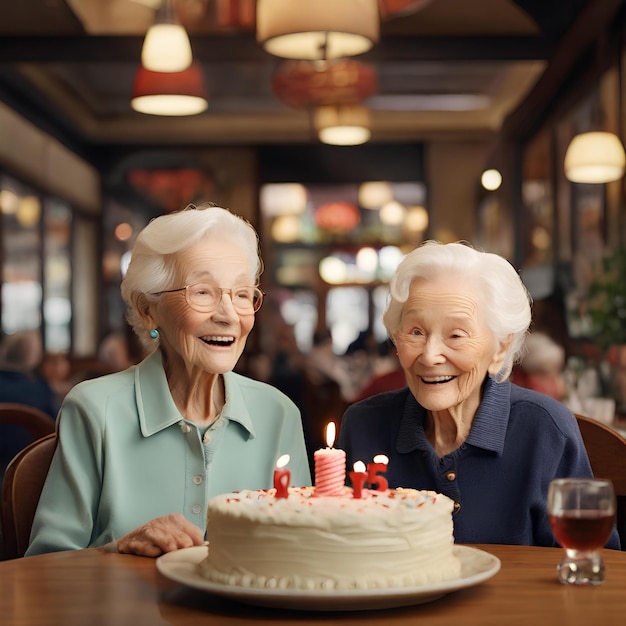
x: 458, y: 318
x: 141, y: 451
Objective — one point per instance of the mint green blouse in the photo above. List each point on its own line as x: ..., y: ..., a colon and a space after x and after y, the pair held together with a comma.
x: 125, y: 455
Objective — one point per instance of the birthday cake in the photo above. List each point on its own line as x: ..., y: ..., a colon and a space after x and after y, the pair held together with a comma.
x: 385, y: 538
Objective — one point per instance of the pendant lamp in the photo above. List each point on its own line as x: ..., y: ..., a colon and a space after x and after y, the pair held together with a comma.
x: 491, y: 179
x: 342, y: 124
x: 306, y: 83
x: 318, y: 30
x: 395, y: 8
x: 166, y: 47
x: 595, y: 157
x: 169, y: 93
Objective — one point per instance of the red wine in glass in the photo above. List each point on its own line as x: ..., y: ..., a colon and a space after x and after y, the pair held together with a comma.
x: 582, y: 529
x: 582, y: 515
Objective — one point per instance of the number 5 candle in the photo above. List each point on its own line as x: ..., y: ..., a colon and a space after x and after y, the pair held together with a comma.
x: 330, y: 466
x: 375, y: 469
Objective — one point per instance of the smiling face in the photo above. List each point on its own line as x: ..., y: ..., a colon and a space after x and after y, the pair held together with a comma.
x: 444, y: 344
x: 209, y: 342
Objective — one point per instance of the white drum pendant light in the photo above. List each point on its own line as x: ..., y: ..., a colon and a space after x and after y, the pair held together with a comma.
x: 342, y: 124
x: 595, y: 157
x: 317, y: 29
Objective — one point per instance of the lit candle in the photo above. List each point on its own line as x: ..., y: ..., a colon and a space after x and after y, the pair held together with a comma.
x: 358, y: 478
x: 373, y: 477
x: 330, y: 466
x: 282, y: 477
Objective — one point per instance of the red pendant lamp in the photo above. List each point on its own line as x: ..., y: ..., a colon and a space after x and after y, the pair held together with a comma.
x: 170, y: 93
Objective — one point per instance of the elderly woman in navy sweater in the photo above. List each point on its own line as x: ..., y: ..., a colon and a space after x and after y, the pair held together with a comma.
x: 458, y: 318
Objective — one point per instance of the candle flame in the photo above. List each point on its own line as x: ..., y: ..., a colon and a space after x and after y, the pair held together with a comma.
x: 359, y: 466
x: 282, y: 461
x: 330, y: 434
x: 381, y: 458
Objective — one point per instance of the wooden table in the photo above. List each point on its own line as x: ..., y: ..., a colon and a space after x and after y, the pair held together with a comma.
x: 86, y: 587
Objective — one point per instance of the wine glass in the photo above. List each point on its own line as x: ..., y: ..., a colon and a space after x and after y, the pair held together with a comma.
x: 582, y: 516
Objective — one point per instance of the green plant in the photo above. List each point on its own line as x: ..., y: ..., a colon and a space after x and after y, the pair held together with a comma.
x: 606, y: 304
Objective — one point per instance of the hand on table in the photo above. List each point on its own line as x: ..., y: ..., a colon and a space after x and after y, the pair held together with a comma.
x: 161, y: 535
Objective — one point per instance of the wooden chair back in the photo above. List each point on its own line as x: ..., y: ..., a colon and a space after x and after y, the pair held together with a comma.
x: 37, y: 423
x: 606, y: 449
x: 21, y: 489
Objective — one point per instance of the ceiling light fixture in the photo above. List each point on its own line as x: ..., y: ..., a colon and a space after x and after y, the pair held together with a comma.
x: 312, y: 83
x: 595, y: 157
x: 320, y: 30
x: 169, y: 93
x: 166, y: 47
x: 338, y: 216
x: 374, y: 194
x: 342, y: 124
x: 393, y: 213
x: 395, y: 8
x: 491, y: 179
x: 416, y: 220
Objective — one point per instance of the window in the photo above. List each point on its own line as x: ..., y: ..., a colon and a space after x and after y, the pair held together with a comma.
x: 36, y: 232
x: 57, y: 304
x: 21, y: 269
x: 341, y: 244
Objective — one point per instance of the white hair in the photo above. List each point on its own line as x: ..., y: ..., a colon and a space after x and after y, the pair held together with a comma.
x: 153, y: 261
x: 505, y: 300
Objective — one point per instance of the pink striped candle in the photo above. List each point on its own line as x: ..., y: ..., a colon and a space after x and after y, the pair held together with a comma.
x: 330, y: 467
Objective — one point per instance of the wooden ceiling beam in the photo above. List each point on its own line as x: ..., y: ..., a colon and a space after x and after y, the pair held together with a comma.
x: 521, y: 48
x: 592, y: 24
x: 244, y: 48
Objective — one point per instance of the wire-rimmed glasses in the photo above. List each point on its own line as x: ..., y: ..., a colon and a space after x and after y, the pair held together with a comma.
x: 205, y: 297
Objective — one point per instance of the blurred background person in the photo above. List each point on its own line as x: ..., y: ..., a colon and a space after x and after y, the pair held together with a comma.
x: 541, y: 367
x: 388, y: 373
x: 55, y: 368
x: 114, y: 353
x: 20, y: 357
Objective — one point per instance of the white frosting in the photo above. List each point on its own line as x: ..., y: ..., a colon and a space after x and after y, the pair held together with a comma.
x: 395, y: 538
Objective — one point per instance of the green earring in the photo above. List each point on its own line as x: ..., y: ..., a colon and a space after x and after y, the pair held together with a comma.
x: 154, y: 334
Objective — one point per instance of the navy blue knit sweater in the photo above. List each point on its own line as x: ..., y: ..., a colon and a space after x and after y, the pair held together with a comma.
x: 519, y: 441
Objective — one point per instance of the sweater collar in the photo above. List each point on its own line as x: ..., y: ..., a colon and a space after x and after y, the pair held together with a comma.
x: 157, y: 409
x: 488, y: 429
x: 492, y: 418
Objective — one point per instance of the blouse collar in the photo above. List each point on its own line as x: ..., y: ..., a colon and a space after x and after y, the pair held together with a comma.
x: 157, y: 409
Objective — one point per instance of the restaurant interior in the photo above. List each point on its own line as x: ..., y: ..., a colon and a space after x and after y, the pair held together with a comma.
x: 347, y: 137
x: 440, y: 119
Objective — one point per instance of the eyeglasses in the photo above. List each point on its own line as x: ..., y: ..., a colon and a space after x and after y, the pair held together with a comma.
x: 206, y: 297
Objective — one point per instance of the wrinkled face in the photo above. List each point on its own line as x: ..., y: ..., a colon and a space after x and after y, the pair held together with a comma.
x: 211, y: 341
x: 444, y: 344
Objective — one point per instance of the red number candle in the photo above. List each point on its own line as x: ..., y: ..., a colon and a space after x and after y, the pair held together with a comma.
x: 282, y: 477
x: 358, y: 478
x: 330, y: 466
x: 373, y: 476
